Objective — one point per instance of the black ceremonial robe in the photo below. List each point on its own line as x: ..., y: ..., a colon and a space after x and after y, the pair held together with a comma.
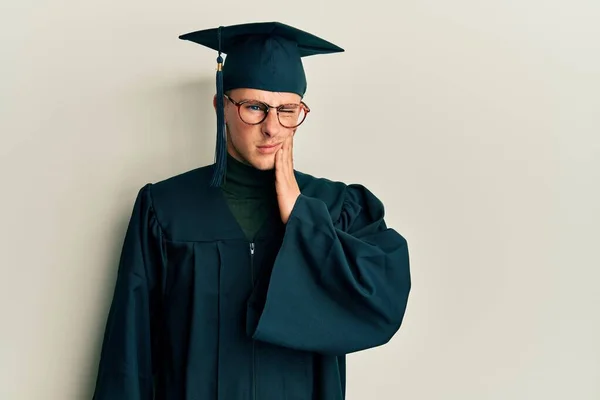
x: 201, y: 313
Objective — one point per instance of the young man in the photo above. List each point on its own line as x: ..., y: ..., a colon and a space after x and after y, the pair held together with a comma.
x: 246, y: 279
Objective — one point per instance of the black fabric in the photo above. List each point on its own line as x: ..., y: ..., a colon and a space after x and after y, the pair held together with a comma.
x: 200, y: 312
x: 250, y: 194
x: 263, y: 55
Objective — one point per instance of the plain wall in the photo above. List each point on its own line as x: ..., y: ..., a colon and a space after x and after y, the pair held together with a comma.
x: 476, y: 122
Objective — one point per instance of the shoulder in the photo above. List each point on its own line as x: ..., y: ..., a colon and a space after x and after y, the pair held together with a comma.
x: 340, y: 197
x: 325, y: 189
x: 184, y: 179
x: 178, y: 190
x: 182, y: 202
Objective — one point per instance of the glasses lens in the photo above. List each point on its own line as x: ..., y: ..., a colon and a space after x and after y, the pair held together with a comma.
x: 253, y: 112
x: 291, y: 115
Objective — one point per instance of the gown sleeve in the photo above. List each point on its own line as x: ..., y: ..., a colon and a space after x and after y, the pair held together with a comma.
x: 336, y: 286
x: 129, y: 345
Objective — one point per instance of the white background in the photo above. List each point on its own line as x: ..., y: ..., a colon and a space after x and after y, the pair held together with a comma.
x: 476, y: 122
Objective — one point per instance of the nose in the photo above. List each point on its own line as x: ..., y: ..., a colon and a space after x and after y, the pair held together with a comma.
x: 270, y: 126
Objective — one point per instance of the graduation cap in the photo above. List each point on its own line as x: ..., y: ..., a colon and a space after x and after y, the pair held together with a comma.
x: 260, y: 55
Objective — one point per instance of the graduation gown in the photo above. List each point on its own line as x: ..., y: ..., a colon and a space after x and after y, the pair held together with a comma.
x: 201, y: 313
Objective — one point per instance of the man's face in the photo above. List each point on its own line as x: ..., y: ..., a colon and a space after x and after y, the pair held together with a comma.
x: 256, y: 145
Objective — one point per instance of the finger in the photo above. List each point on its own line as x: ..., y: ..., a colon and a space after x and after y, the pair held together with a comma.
x: 290, y: 158
x: 289, y: 154
x: 286, y: 143
x: 282, y: 162
x: 278, y: 162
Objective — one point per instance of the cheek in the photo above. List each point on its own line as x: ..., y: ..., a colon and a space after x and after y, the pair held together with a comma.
x: 233, y: 125
x: 241, y: 134
x: 290, y: 132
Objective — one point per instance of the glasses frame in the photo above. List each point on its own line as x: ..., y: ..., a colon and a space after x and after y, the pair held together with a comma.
x: 239, y: 104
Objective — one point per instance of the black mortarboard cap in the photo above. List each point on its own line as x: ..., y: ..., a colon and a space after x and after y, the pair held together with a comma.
x: 260, y: 55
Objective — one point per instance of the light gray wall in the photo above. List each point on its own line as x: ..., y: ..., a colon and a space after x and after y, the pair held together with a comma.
x: 476, y: 122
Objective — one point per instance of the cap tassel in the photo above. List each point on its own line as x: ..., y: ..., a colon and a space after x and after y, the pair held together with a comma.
x: 221, y: 145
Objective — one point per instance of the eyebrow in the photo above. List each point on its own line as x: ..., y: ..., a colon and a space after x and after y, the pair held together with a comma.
x: 264, y: 102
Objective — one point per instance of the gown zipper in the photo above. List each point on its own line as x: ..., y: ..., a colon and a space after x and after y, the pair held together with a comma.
x: 253, y: 349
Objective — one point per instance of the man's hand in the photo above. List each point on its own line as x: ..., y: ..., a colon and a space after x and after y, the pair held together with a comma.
x: 287, y: 188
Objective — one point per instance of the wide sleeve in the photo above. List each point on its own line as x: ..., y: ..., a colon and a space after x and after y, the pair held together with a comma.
x: 337, y: 286
x: 130, y: 340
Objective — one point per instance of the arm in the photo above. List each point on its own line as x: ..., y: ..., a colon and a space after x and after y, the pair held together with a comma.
x: 336, y: 286
x: 125, y: 368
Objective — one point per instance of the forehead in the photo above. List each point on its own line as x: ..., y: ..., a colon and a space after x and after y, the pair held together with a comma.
x: 271, y: 98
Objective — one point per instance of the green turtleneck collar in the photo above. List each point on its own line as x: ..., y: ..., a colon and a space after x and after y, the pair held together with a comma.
x: 245, y: 181
x: 250, y: 194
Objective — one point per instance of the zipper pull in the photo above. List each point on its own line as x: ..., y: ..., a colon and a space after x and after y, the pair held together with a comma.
x: 252, y: 248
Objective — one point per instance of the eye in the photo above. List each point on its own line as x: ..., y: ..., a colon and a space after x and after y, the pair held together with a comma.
x: 289, y: 108
x: 255, y: 107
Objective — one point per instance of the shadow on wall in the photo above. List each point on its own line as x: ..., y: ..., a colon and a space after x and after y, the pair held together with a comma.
x: 176, y: 133
x: 175, y: 124
x: 190, y: 120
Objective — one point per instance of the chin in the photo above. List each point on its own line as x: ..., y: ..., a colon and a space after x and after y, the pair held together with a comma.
x: 263, y: 163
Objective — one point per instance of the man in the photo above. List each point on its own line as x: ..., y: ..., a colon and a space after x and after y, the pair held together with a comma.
x: 246, y: 279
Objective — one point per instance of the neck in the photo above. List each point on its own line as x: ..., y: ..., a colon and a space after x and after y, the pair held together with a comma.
x: 246, y: 181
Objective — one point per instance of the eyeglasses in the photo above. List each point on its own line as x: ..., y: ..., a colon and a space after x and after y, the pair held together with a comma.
x: 254, y: 112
